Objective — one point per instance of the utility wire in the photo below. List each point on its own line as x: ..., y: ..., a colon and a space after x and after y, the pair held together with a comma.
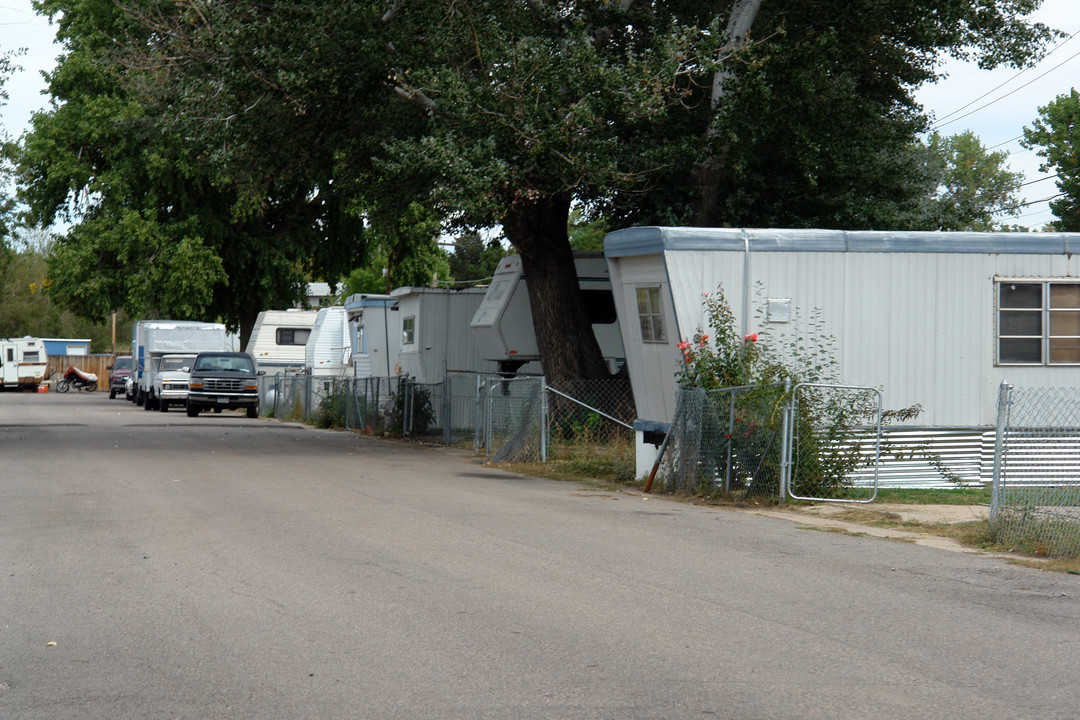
x: 1014, y: 77
x: 1012, y: 92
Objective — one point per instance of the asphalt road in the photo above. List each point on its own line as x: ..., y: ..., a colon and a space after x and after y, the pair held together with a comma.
x: 158, y: 566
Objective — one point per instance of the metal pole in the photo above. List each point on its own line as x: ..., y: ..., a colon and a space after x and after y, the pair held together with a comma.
x: 476, y: 417
x: 730, y: 433
x: 1004, y: 401
x: 543, y: 419
x: 785, y: 441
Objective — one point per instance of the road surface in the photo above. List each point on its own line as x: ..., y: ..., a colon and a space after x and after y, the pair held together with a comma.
x: 158, y: 566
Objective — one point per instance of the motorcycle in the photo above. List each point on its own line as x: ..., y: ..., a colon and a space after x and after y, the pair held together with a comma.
x: 76, y: 378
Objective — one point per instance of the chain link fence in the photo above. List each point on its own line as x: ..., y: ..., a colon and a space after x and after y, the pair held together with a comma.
x: 1035, y: 503
x: 724, y: 440
x: 814, y: 442
x: 507, y: 418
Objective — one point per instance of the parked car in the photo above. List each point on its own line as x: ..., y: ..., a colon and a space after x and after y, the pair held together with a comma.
x: 119, y: 372
x: 170, y: 384
x: 223, y: 380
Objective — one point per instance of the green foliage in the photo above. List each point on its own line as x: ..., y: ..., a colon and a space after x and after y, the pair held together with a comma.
x: 830, y: 425
x: 332, y: 411
x: 27, y: 306
x: 413, y: 413
x: 974, y: 185
x: 473, y: 259
x: 1057, y: 135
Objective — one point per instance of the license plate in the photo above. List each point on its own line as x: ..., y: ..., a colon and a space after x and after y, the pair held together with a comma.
x: 222, y: 400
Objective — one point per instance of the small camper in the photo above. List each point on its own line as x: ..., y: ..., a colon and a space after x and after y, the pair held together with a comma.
x: 503, y: 324
x: 329, y: 348
x: 279, y: 339
x: 22, y: 363
x: 935, y: 319
x: 435, y: 335
x: 152, y: 339
x: 375, y: 332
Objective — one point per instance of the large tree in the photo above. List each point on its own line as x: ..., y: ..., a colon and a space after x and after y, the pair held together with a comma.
x: 157, y: 228
x: 1056, y: 134
x: 794, y: 112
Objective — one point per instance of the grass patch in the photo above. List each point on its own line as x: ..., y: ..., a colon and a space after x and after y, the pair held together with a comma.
x: 951, y: 496
x: 606, y: 464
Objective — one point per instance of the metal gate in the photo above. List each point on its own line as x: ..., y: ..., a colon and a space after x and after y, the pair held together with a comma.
x: 832, y: 443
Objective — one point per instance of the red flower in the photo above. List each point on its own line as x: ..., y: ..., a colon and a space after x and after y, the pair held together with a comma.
x: 750, y: 338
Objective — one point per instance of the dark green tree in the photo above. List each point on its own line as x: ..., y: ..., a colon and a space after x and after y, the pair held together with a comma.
x: 156, y: 227
x: 1056, y: 134
x: 473, y: 258
x: 791, y: 113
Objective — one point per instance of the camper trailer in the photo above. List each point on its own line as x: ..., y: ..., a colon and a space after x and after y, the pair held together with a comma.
x: 329, y: 348
x: 435, y: 335
x: 279, y: 339
x: 375, y: 332
x: 152, y: 339
x: 503, y: 325
x: 22, y: 363
x: 935, y: 319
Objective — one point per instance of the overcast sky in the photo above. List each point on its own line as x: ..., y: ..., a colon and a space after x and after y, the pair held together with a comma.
x: 996, y: 105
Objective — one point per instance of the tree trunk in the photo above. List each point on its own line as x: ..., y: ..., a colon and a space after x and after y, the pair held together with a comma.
x: 568, y: 348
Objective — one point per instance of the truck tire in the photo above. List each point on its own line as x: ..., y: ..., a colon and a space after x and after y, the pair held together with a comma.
x: 192, y: 410
x: 163, y: 406
x: 112, y: 393
x: 252, y: 411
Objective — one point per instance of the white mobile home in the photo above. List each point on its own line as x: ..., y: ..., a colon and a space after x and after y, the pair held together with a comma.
x: 435, y: 333
x: 935, y: 319
x: 22, y: 363
x: 279, y: 339
x: 503, y: 325
x: 375, y: 332
x: 329, y: 349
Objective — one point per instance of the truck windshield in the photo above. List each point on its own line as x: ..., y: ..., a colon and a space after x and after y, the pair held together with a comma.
x: 174, y: 363
x: 230, y: 363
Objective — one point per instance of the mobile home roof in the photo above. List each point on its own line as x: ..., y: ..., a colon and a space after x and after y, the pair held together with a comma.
x: 653, y: 240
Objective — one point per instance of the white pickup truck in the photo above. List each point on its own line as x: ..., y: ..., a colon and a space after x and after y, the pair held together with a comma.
x: 170, y: 382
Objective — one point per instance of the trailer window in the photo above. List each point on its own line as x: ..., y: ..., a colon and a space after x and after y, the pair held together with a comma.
x: 408, y: 330
x: 1038, y: 323
x: 600, y: 305
x: 651, y: 315
x: 293, y: 336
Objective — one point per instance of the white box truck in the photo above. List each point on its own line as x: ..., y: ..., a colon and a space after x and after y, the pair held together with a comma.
x: 153, y: 339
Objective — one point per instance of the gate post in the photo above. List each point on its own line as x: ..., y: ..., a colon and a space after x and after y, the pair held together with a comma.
x: 1004, y: 401
x: 785, y: 441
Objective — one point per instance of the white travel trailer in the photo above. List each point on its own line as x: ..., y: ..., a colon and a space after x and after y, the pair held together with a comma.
x: 375, y: 331
x: 22, y: 363
x: 935, y: 319
x: 279, y: 339
x: 503, y: 325
x: 329, y: 348
x: 152, y: 339
x: 435, y: 335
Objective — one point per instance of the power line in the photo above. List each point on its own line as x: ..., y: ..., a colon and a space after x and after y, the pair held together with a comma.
x: 1012, y: 92
x: 1014, y: 77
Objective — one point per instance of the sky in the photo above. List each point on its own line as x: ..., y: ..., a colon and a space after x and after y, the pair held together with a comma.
x: 996, y: 105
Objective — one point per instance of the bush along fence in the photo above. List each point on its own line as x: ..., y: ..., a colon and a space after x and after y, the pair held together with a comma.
x: 507, y: 418
x: 774, y: 440
x: 1035, y: 497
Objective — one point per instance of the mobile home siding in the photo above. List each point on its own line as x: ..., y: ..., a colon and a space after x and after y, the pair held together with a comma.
x: 911, y: 313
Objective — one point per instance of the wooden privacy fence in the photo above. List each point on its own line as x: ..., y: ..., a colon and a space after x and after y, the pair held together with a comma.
x: 97, y: 363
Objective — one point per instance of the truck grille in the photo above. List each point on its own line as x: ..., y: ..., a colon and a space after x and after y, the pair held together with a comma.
x: 223, y: 384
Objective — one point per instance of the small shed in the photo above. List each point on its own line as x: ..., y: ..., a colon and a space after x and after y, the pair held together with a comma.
x: 931, y: 318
